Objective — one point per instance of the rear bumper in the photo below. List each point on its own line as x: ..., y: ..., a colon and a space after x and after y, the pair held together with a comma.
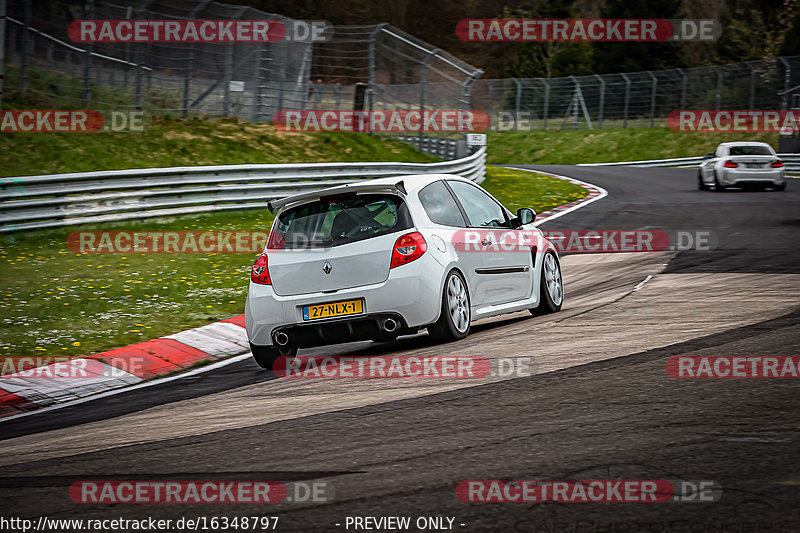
x: 736, y: 177
x: 411, y: 295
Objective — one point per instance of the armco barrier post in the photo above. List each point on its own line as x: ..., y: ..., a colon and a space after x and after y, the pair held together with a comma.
x: 517, y: 102
x: 719, y: 87
x: 752, y: 85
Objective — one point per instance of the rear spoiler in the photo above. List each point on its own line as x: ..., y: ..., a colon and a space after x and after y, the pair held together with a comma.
x: 357, y: 188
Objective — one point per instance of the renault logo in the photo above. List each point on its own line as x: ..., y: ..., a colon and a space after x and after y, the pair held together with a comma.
x: 327, y: 267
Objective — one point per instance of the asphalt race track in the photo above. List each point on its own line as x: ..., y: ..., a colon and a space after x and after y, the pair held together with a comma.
x: 600, y: 404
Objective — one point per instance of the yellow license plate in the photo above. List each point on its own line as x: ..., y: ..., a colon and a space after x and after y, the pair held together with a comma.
x: 348, y: 307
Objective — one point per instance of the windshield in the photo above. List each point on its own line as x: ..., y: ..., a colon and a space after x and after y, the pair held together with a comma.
x: 337, y: 220
x: 750, y: 150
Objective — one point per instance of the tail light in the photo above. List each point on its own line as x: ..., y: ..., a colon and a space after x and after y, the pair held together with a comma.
x: 730, y: 164
x: 408, y: 248
x: 260, y: 271
x: 777, y: 164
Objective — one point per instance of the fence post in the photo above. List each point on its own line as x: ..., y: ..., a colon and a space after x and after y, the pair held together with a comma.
x: 683, y: 87
x: 627, y: 100
x: 653, y: 99
x: 128, y: 13
x: 338, y: 93
x: 256, y: 114
x: 546, y: 103
x: 786, y: 79
x: 423, y: 79
x: 226, y: 88
x: 371, y: 71
x: 88, y: 13
x: 26, y: 48
x: 602, y: 101
x: 752, y: 85
x: 139, y: 52
x: 187, y: 80
x: 465, y: 94
x: 719, y: 87
x: 2, y: 47
x: 517, y: 103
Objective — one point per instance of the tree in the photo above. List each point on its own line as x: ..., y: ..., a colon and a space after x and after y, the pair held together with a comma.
x: 629, y: 57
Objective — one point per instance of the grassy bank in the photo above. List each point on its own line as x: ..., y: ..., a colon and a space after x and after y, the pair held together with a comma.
x: 173, y: 142
x: 60, y: 303
x: 599, y: 146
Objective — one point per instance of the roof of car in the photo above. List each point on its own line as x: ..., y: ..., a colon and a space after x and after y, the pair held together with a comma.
x: 744, y: 143
x: 409, y: 184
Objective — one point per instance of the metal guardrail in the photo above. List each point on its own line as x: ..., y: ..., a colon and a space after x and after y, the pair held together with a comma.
x: 35, y: 202
x: 791, y: 162
x: 444, y: 148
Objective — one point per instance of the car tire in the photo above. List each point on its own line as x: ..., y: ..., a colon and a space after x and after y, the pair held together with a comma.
x: 454, y: 319
x: 701, y: 186
x: 781, y: 187
x: 717, y: 185
x: 265, y: 356
x: 551, y: 288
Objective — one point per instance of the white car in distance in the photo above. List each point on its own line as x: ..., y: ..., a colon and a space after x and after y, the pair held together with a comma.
x: 741, y: 164
x: 392, y: 256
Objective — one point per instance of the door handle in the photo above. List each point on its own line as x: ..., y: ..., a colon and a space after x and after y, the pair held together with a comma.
x: 486, y: 241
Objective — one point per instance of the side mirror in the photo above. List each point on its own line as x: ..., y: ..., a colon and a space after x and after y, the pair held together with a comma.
x: 525, y: 215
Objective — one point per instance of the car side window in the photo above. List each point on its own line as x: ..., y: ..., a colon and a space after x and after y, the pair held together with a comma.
x: 440, y: 206
x: 482, y: 211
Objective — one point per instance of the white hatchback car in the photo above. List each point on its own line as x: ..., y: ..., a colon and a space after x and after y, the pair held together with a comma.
x: 392, y: 256
x: 742, y: 164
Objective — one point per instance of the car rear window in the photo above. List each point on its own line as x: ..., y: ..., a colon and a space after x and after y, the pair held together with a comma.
x: 750, y: 150
x: 337, y: 220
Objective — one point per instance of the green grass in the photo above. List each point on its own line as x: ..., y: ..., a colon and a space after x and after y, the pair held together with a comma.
x: 59, y: 303
x: 175, y: 142
x: 599, y: 146
x: 519, y: 188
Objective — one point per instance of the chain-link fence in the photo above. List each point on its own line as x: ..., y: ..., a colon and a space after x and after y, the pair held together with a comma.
x: 356, y: 67
x: 249, y: 80
x: 637, y: 99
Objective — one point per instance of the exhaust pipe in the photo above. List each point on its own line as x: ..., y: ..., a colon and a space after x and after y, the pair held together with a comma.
x: 281, y: 338
x: 389, y: 325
